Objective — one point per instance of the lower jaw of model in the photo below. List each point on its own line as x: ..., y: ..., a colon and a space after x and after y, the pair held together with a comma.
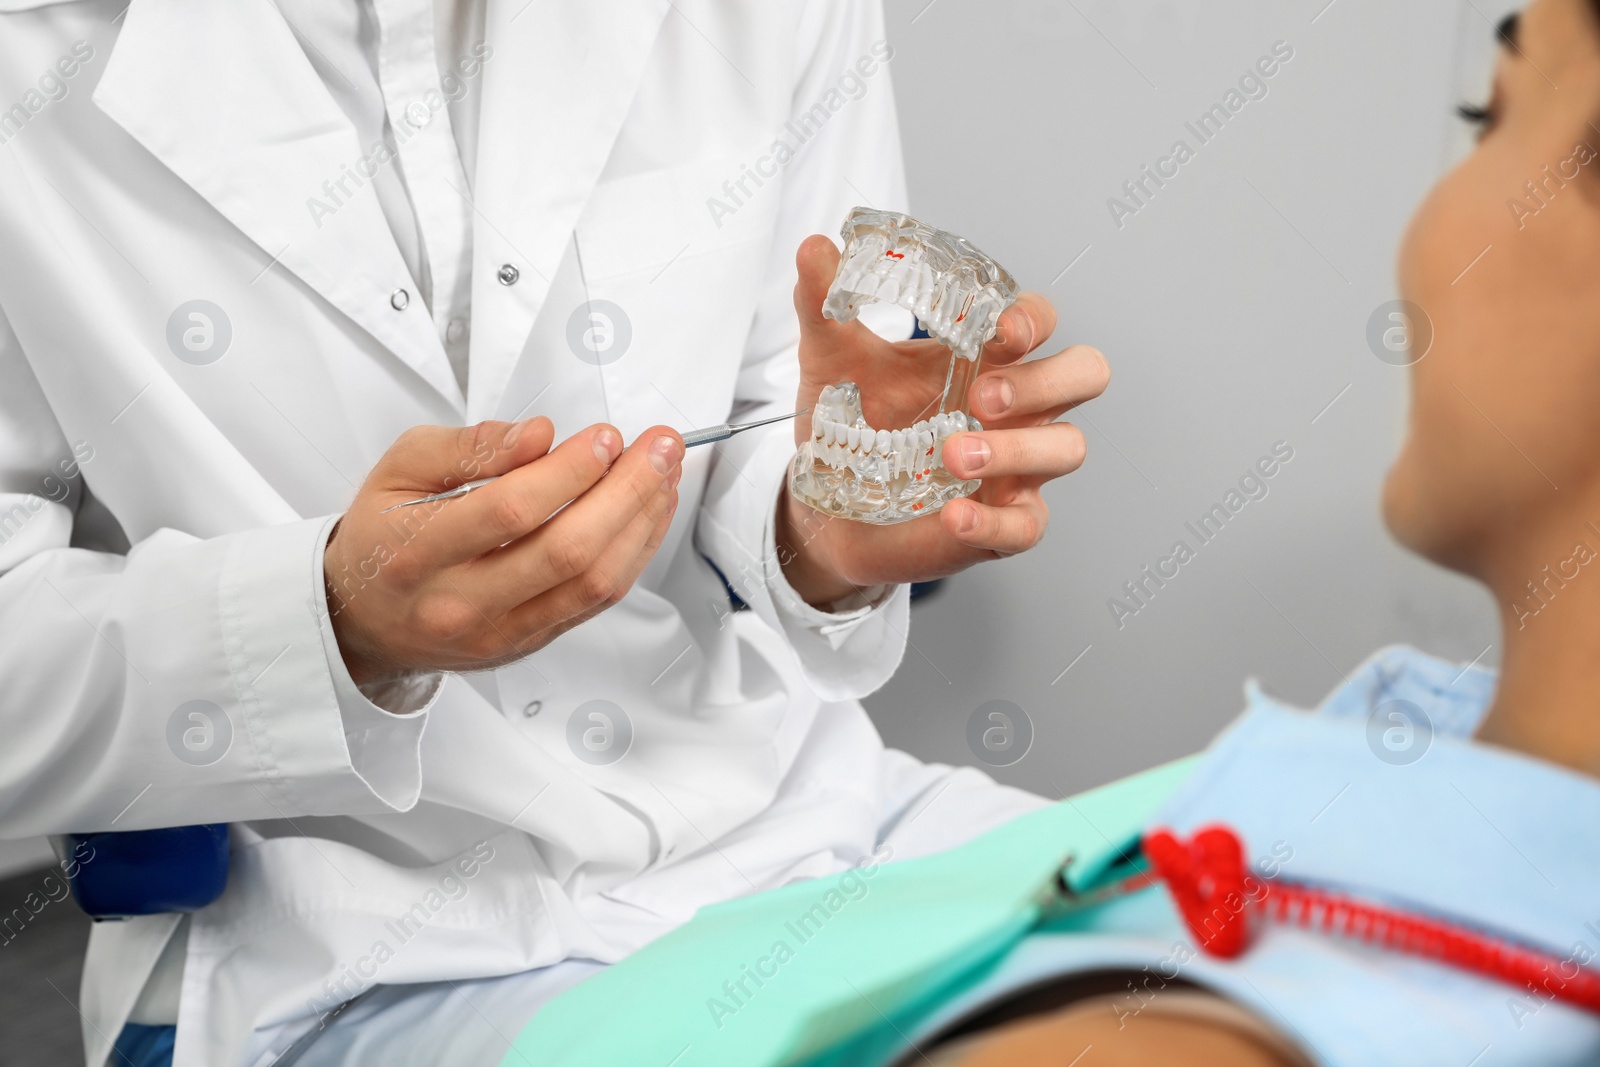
x: 879, y: 476
x: 851, y: 469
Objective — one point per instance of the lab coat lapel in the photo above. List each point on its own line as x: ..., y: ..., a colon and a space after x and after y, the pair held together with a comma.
x: 224, y: 96
x: 555, y: 97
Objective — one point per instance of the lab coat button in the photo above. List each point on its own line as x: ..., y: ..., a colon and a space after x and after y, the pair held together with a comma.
x: 456, y: 330
x: 399, y: 299
x: 508, y: 274
x: 533, y: 708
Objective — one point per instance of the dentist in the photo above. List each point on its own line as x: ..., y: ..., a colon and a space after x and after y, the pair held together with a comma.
x: 267, y: 269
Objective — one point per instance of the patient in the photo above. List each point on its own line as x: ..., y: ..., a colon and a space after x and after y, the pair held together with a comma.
x: 1499, y: 478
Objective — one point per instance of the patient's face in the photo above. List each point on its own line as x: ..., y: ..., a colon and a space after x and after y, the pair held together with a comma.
x: 1506, y: 405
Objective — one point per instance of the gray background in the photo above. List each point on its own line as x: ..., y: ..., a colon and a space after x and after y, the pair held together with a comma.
x: 1233, y: 309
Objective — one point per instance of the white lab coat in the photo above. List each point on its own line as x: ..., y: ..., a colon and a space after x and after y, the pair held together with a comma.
x: 176, y: 165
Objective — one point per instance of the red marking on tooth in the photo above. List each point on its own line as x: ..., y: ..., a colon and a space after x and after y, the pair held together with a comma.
x: 916, y: 507
x: 895, y: 255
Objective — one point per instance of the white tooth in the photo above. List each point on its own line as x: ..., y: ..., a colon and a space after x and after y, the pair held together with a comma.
x: 921, y: 424
x: 889, y: 289
x: 853, y: 437
x: 867, y: 286
x: 909, y: 294
x: 839, y: 433
x: 924, y: 442
x: 941, y: 425
x: 923, y: 287
x: 958, y: 421
x: 882, y: 444
x: 818, y: 427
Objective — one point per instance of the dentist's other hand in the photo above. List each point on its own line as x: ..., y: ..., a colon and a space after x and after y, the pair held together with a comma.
x: 1021, y: 447
x: 484, y: 579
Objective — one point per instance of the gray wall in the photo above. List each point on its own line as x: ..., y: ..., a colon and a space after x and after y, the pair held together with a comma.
x: 1233, y: 308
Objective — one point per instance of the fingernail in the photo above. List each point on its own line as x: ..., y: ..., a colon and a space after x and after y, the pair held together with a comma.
x: 1020, y: 325
x: 509, y: 441
x: 997, y: 394
x: 974, y: 453
x: 967, y: 519
x: 607, y: 446
x: 665, y: 453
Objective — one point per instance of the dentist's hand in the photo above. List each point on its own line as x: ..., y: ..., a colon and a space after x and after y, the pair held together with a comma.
x: 484, y: 579
x: 1021, y: 447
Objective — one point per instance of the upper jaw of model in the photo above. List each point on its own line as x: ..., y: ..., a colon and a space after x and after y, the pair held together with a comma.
x: 956, y: 292
x: 849, y: 468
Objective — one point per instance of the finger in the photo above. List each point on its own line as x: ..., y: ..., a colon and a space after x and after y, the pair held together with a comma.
x: 1023, y: 327
x: 572, y: 541
x: 816, y: 261
x: 1048, y: 386
x: 1005, y: 531
x: 1043, y: 452
x: 429, y: 459
x: 519, y: 502
x: 579, y: 599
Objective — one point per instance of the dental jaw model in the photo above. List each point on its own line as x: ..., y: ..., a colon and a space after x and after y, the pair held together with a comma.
x: 883, y: 476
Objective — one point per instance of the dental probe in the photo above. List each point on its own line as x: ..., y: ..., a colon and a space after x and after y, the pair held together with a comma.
x: 706, y: 436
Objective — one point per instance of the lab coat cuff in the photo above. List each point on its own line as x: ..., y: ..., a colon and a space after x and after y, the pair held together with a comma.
x: 383, y: 721
x: 836, y: 621
x: 843, y: 655
x: 320, y: 746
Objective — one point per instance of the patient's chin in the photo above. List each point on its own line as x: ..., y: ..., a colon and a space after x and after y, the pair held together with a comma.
x: 1420, y: 522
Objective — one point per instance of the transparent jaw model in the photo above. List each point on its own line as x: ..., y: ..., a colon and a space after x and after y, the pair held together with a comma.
x: 877, y: 475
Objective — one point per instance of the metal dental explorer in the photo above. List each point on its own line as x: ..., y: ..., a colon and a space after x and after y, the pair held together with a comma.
x: 706, y: 436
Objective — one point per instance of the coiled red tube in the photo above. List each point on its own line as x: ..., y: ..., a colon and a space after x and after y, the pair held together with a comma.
x: 1220, y: 901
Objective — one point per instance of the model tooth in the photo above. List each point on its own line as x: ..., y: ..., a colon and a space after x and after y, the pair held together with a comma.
x: 883, y: 443
x: 924, y: 442
x: 889, y: 288
x: 853, y: 437
x: 908, y: 290
x: 927, y: 289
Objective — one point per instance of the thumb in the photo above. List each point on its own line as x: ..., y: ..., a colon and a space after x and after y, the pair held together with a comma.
x: 817, y: 261
x: 436, y: 458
